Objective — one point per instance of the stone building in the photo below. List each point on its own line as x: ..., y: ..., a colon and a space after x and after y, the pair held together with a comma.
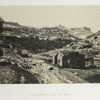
x: 72, y: 59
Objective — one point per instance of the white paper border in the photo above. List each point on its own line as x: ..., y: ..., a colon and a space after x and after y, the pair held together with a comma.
x: 49, y: 2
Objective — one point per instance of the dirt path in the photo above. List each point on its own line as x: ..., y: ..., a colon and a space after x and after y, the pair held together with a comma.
x: 48, y: 74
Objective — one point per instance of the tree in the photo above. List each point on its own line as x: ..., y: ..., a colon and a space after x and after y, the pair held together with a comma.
x: 1, y: 25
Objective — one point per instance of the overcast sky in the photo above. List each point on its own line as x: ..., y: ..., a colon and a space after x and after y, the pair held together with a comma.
x: 38, y: 16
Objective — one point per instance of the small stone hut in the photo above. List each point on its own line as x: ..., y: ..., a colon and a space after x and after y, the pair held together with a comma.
x: 72, y: 59
x: 69, y: 60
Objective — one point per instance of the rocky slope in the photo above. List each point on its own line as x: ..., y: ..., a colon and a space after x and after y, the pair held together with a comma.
x: 95, y: 39
x: 81, y: 33
x: 30, y: 49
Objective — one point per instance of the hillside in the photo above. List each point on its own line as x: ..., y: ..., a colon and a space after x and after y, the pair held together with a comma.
x: 50, y: 33
x: 26, y: 54
x: 44, y: 38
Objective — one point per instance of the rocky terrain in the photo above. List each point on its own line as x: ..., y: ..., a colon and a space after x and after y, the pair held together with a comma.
x: 26, y: 54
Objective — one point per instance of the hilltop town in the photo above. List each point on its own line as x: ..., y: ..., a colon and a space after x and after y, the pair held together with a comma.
x: 48, y: 54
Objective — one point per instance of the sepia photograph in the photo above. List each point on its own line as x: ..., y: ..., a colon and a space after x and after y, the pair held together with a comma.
x: 49, y: 44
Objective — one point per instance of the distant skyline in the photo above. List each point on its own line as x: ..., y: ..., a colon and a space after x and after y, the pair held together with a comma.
x: 42, y: 16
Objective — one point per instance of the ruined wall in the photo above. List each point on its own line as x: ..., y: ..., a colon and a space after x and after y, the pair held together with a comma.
x: 73, y: 60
